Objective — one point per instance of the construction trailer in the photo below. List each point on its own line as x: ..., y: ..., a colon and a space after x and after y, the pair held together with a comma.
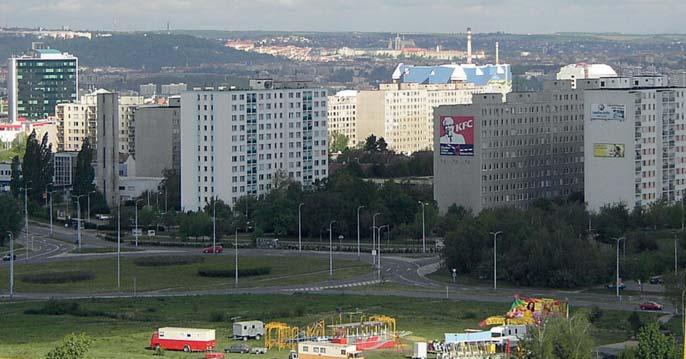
x: 186, y: 339
x: 326, y: 350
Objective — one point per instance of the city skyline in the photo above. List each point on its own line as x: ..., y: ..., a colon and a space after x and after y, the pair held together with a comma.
x: 434, y: 16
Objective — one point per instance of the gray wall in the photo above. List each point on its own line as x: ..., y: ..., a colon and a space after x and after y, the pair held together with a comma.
x: 157, y: 140
x: 107, y: 170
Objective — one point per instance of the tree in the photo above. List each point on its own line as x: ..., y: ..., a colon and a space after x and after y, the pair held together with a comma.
x: 652, y: 344
x: 11, y: 219
x: 84, y: 174
x: 338, y: 142
x: 73, y: 346
x: 15, y: 182
x: 370, y: 144
x: 172, y: 185
x: 558, y: 337
x: 195, y: 224
x: 37, y: 165
x: 223, y: 214
x: 381, y: 145
x: 17, y: 148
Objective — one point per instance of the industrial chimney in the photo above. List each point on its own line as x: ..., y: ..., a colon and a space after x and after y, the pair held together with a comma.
x: 497, y: 54
x: 469, y: 45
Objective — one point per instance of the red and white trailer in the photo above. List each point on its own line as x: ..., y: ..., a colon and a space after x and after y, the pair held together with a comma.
x: 186, y: 339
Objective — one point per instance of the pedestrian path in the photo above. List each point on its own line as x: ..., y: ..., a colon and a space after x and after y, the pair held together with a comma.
x: 337, y: 286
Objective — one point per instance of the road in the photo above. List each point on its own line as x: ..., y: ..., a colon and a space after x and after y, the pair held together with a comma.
x: 402, y: 276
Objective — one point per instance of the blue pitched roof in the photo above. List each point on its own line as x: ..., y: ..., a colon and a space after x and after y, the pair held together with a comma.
x: 426, y: 74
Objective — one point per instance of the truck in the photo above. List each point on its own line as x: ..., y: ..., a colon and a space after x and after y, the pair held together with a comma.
x: 326, y: 350
x: 186, y: 339
x: 251, y: 329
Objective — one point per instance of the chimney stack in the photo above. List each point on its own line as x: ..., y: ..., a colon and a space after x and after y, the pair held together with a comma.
x: 469, y: 45
x: 497, y: 54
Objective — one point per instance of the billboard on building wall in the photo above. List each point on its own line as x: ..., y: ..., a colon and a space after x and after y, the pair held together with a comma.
x: 615, y: 150
x: 607, y: 112
x: 456, y: 136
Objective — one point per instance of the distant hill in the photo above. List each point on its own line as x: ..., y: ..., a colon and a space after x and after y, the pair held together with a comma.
x: 142, y: 51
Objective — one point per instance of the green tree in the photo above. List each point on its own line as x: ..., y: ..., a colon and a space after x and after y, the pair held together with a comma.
x: 381, y: 145
x: 558, y: 337
x: 338, y: 142
x: 370, y: 144
x: 195, y: 224
x: 84, y: 174
x: 224, y: 215
x: 17, y: 148
x: 15, y: 182
x: 171, y: 184
x: 652, y: 344
x: 73, y: 346
x: 11, y: 218
x: 37, y: 165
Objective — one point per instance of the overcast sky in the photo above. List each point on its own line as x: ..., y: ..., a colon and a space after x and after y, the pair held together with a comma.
x: 515, y: 16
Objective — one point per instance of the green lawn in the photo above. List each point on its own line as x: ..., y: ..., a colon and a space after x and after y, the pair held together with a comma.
x: 284, y: 271
x: 31, y: 336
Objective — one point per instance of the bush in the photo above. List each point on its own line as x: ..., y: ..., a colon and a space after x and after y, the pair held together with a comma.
x: 73, y: 346
x: 230, y: 273
x: 595, y: 314
x: 217, y: 317
x: 167, y: 261
x: 53, y: 307
x: 58, y: 277
x: 468, y: 315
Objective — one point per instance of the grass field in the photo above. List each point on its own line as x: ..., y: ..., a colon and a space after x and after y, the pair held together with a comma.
x: 123, y: 326
x: 284, y: 271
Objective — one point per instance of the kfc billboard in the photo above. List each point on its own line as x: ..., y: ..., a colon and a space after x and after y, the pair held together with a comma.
x: 456, y: 135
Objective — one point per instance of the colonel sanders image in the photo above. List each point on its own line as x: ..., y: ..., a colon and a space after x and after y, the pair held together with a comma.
x: 450, y: 137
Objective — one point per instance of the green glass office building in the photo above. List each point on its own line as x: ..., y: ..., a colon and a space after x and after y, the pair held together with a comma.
x: 39, y: 81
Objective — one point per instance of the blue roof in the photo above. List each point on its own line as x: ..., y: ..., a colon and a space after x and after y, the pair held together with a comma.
x: 479, y: 75
x: 426, y: 74
x: 452, y: 338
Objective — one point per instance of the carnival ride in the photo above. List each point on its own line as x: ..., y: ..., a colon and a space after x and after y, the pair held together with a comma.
x: 529, y: 311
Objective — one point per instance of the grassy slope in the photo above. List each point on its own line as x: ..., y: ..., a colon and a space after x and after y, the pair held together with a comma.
x: 29, y: 336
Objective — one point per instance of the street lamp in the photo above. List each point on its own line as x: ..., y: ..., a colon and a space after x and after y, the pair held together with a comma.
x: 676, y: 258
x: 300, y: 237
x: 11, y: 264
x: 78, y: 218
x: 235, y: 243
x: 358, y: 231
x: 331, y: 249
x: 119, y: 245
x: 135, y: 205
x: 374, y: 235
x: 495, y: 258
x: 214, y: 224
x: 88, y: 197
x: 423, y: 228
x: 50, y: 209
x: 379, y: 253
x: 26, y: 216
x: 617, y: 278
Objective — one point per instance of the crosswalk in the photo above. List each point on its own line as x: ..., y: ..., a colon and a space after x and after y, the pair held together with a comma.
x: 338, y: 286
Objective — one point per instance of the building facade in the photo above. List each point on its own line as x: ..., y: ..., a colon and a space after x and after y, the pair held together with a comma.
x: 342, y: 115
x: 107, y: 160
x: 158, y: 138
x: 238, y: 143
x: 635, y: 142
x: 492, y: 153
x: 39, y: 81
x: 65, y: 166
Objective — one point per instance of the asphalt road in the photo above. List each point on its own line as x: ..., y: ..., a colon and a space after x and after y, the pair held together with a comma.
x: 402, y: 276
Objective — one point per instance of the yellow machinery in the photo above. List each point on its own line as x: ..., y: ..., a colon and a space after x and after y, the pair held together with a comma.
x: 277, y: 335
x: 388, y: 321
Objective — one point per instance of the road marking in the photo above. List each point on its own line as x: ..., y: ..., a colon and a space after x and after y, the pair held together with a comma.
x: 337, y: 286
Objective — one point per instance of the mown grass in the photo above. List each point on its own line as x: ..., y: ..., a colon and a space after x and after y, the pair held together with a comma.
x: 181, y: 277
x: 122, y: 327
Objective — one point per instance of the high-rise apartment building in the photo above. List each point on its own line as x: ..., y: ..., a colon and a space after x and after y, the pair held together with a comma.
x: 173, y: 89
x: 147, y: 90
x: 635, y: 142
x: 242, y: 142
x: 158, y: 138
x: 494, y: 153
x: 40, y: 80
x: 107, y: 159
x: 342, y: 115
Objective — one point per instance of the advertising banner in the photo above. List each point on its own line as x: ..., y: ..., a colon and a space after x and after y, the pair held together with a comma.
x: 456, y: 136
x: 607, y: 112
x: 615, y: 150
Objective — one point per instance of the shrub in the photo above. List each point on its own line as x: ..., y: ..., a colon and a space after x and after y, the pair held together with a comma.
x: 58, y: 277
x: 167, y: 261
x: 217, y: 317
x: 596, y: 314
x: 468, y: 315
x: 54, y: 307
x: 73, y: 346
x: 230, y: 273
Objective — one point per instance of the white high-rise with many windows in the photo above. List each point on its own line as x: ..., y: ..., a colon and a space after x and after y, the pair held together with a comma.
x: 237, y: 143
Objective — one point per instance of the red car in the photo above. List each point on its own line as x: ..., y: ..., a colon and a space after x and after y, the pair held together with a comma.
x: 650, y: 306
x: 213, y: 249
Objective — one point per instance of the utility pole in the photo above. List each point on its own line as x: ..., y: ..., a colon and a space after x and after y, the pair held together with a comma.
x: 331, y: 249
x: 374, y: 237
x: 235, y: 243
x: 358, y: 231
x: 26, y: 217
x: 300, y: 238
x: 214, y: 225
x: 11, y: 264
x: 78, y: 219
x: 136, y: 234
x: 423, y: 228
x: 51, y: 230
x: 119, y: 245
x: 379, y: 252
x: 495, y: 258
x: 617, y: 268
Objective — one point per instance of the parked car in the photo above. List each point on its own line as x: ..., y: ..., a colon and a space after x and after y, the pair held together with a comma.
x: 258, y: 351
x: 6, y: 258
x: 612, y: 286
x: 656, y: 279
x: 213, y: 249
x: 650, y: 306
x: 238, y: 348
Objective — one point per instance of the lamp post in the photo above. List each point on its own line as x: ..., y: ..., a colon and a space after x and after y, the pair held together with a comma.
x: 26, y: 217
x: 78, y: 218
x: 495, y: 258
x: 683, y: 320
x: 300, y: 237
x: 617, y: 268
x: 235, y: 243
x: 374, y: 236
x: 11, y: 264
x: 214, y: 225
x: 379, y: 252
x: 135, y: 205
x: 88, y: 198
x: 358, y: 231
x: 50, y: 209
x: 423, y: 228
x: 331, y: 249
x: 118, y: 245
x: 676, y: 258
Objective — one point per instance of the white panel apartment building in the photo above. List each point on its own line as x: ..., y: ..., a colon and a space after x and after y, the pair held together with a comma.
x: 342, y: 114
x: 237, y: 142
x: 635, y: 142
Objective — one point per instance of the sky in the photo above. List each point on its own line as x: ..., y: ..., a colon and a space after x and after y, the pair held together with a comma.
x: 446, y: 16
